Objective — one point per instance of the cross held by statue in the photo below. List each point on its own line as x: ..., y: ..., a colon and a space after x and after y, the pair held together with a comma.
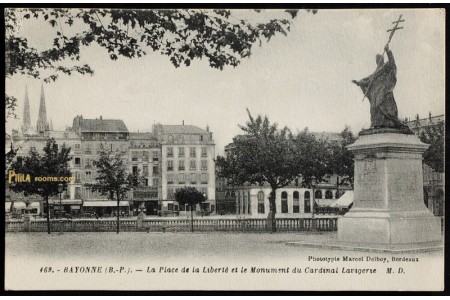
x: 392, y: 31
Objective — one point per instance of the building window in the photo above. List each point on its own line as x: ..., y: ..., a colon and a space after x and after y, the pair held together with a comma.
x: 328, y: 195
x: 204, y: 153
x: 170, y: 165
x: 239, y: 203
x: 145, y: 170
x: 182, y: 207
x: 135, y: 170
x: 155, y: 182
x: 170, y: 178
x: 145, y: 155
x: 170, y: 206
x: 307, y: 202
x: 192, y: 152
x: 169, y: 151
x: 249, y: 209
x: 87, y: 149
x: 77, y: 192
x: 181, y: 152
x: 296, y: 207
x: 155, y: 155
x: 170, y: 193
x: 193, y: 178
x: 155, y: 170
x: 134, y: 155
x: 181, y: 165
x: 204, y: 165
x: 77, y: 146
x: 175, y: 207
x: 77, y: 161
x: 181, y: 178
x: 204, y: 178
x: 260, y: 202
x: 87, y: 163
x: 88, y: 176
x: 318, y: 194
x: 192, y: 165
x: 284, y: 203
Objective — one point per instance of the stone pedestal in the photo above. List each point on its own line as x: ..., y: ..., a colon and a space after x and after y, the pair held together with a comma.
x: 388, y: 207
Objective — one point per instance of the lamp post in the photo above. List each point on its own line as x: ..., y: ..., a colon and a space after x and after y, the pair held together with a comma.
x: 122, y: 195
x: 204, y: 206
x: 313, y: 186
x: 60, y: 190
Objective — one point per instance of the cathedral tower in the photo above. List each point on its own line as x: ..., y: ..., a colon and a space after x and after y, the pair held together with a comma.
x: 26, y: 120
x: 42, y: 124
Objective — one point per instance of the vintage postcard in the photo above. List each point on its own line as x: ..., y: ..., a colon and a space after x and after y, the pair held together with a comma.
x: 224, y: 149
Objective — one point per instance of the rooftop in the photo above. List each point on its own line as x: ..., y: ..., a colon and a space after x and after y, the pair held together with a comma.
x: 142, y: 136
x: 102, y: 125
x: 182, y: 129
x: 63, y: 135
x: 425, y: 121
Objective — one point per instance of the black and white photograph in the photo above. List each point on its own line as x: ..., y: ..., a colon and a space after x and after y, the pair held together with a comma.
x: 224, y: 149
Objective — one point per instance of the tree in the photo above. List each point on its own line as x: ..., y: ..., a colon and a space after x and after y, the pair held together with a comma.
x: 342, y: 163
x: 183, y: 35
x: 434, y: 136
x: 190, y: 196
x: 312, y: 157
x: 264, y: 154
x: 54, y: 163
x: 113, y: 180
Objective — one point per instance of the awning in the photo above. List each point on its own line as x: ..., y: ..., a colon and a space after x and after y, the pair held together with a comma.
x: 7, y: 207
x: 19, y: 205
x: 104, y: 203
x: 65, y: 202
x: 345, y: 200
x: 34, y: 205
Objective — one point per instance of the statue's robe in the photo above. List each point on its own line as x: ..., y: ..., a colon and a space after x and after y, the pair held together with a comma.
x: 383, y: 109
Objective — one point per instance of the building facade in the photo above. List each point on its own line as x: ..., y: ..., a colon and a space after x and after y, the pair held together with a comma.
x: 187, y: 159
x: 145, y: 159
x: 169, y: 157
x: 433, y: 182
x: 291, y: 201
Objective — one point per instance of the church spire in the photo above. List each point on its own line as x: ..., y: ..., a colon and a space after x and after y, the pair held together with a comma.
x: 42, y: 124
x: 26, y: 121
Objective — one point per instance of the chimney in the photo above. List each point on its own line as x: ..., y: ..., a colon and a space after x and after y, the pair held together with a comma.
x: 182, y: 123
x: 101, y: 117
x: 207, y: 127
x: 429, y: 115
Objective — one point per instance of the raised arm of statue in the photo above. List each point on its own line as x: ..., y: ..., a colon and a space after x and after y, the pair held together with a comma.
x: 390, y: 56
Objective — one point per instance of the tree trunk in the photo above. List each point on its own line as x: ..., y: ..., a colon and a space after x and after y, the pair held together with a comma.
x: 273, y: 210
x: 192, y: 218
x: 48, y: 215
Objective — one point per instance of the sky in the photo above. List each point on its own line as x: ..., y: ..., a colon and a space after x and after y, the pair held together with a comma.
x: 299, y: 80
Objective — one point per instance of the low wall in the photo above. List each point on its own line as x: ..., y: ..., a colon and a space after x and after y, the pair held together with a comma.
x: 184, y: 225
